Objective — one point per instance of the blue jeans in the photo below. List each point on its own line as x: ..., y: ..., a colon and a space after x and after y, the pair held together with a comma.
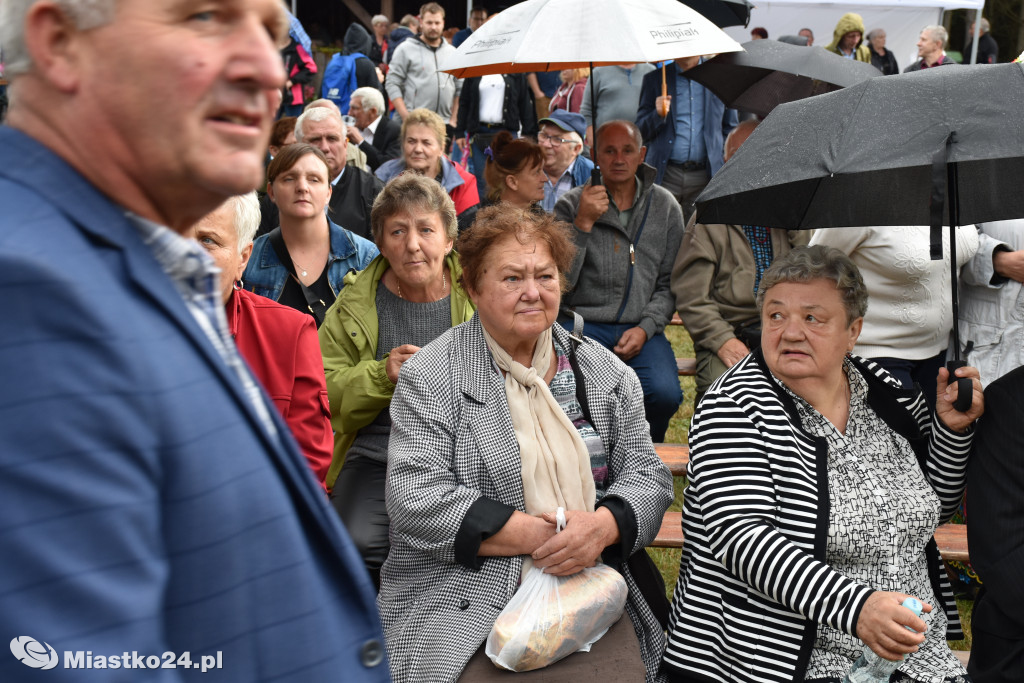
x: 655, y: 366
x: 923, y: 372
x: 477, y: 166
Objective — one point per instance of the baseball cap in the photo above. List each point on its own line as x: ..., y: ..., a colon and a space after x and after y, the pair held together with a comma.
x: 567, y: 121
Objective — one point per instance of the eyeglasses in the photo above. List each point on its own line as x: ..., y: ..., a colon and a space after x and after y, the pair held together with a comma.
x: 555, y: 142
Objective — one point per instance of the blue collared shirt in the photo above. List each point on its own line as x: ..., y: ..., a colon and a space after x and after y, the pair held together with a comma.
x: 552, y: 191
x: 689, y: 121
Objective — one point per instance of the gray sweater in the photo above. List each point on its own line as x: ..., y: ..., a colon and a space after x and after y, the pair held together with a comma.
x: 599, y: 276
x: 618, y: 93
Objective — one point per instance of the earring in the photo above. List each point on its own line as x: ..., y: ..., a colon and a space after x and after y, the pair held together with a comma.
x: 237, y: 285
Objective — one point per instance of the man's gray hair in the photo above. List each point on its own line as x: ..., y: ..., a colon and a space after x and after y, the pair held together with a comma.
x: 575, y: 137
x: 819, y: 262
x: 246, y: 217
x: 937, y: 33
x: 370, y: 98
x: 379, y: 19
x: 85, y: 14
x: 985, y: 26
x: 317, y: 114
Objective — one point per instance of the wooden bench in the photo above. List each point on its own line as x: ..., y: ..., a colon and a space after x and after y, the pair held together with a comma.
x: 675, y: 455
x: 687, y: 367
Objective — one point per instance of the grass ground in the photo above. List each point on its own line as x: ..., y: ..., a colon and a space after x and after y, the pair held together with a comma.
x: 667, y: 559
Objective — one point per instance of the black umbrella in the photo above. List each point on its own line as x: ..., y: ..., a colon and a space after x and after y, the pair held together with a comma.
x: 723, y: 13
x: 770, y: 72
x: 885, y: 152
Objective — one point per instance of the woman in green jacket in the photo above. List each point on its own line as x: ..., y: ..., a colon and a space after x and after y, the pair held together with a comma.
x: 403, y: 300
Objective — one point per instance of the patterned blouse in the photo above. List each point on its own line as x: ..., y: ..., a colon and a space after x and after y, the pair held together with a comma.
x: 563, y: 388
x: 882, y: 513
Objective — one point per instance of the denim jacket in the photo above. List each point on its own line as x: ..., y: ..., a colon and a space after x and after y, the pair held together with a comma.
x: 266, y: 275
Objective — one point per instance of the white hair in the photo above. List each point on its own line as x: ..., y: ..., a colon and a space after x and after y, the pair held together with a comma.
x: 246, y: 217
x: 84, y: 14
x: 317, y: 114
x: 371, y: 99
x: 379, y: 19
x: 937, y: 33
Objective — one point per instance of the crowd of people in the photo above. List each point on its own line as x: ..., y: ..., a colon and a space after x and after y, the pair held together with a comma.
x: 317, y: 405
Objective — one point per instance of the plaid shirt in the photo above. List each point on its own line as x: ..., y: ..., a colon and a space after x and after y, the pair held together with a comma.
x: 197, y: 278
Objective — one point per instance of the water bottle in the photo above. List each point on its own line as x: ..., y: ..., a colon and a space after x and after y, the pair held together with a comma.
x: 869, y: 667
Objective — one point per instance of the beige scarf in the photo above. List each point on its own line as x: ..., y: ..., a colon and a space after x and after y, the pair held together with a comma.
x: 555, y: 461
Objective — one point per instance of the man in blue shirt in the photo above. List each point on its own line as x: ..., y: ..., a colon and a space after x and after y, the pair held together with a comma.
x: 685, y: 143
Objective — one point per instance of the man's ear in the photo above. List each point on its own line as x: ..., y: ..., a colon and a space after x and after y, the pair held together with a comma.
x: 643, y: 154
x: 54, y: 44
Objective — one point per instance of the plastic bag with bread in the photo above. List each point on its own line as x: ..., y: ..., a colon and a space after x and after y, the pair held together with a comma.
x: 550, y: 617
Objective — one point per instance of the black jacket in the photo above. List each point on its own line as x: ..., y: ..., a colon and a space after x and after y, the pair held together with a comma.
x: 995, y: 533
x: 518, y: 109
x: 352, y: 199
x: 387, y: 143
x: 887, y: 64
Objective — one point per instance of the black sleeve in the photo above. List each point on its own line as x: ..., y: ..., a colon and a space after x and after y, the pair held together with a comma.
x: 626, y: 520
x: 484, y: 518
x: 995, y: 492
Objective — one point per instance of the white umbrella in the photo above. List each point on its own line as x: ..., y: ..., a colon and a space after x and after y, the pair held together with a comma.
x: 551, y: 35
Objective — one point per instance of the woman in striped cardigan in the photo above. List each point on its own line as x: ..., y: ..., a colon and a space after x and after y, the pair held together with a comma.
x: 816, y: 484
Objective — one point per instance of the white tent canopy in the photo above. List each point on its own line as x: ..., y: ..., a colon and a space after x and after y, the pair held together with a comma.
x: 901, y: 19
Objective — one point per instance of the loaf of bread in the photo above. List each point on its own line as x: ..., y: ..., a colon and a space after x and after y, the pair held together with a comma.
x: 551, y: 617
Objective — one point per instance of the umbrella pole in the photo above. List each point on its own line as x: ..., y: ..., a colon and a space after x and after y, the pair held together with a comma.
x: 954, y: 222
x: 593, y: 116
x: 965, y: 388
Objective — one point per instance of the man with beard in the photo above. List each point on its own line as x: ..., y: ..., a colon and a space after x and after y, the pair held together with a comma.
x: 414, y: 78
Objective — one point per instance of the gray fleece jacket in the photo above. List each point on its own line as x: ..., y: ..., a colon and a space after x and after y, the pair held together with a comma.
x: 414, y: 75
x: 600, y: 277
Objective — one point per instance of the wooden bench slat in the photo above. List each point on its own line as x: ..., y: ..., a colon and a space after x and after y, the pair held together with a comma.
x: 687, y: 367
x: 675, y: 455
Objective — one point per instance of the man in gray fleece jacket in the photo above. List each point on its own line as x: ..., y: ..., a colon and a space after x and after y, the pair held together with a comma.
x: 414, y: 77
x: 627, y: 233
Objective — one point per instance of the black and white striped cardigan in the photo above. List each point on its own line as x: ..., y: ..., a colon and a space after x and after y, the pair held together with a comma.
x: 753, y: 585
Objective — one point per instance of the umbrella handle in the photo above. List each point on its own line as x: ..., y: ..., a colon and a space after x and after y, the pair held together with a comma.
x: 663, y: 110
x: 964, y: 386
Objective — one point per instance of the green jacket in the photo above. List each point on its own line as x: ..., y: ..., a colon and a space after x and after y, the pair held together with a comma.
x: 357, y: 384
x: 850, y: 22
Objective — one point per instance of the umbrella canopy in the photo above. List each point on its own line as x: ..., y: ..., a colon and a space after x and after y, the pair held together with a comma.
x: 863, y: 155
x: 768, y: 73
x: 724, y: 13
x: 885, y: 152
x: 296, y: 31
x: 550, y: 35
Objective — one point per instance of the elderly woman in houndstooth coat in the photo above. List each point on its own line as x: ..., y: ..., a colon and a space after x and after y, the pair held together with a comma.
x: 474, y: 414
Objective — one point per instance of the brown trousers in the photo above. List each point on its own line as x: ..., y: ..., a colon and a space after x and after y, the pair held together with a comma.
x: 615, y: 656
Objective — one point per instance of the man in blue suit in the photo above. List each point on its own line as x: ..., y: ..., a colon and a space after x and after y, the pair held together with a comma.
x: 154, y: 510
x: 684, y: 145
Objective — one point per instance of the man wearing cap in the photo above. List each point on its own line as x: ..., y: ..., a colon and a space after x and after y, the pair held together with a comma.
x: 685, y: 143
x: 561, y: 140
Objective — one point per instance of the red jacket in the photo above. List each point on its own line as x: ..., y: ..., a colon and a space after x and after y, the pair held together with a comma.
x: 281, y: 347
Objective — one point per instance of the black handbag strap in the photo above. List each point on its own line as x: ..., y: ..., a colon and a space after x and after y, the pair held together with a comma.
x: 317, y: 306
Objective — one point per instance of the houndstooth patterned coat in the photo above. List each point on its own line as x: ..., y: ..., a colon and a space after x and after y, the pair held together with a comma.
x: 452, y: 442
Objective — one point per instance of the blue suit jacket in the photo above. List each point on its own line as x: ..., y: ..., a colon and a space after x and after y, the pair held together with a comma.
x: 660, y: 133
x: 143, y: 506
